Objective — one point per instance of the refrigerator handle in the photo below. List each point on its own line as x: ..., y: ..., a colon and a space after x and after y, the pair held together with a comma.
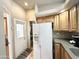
x: 36, y: 37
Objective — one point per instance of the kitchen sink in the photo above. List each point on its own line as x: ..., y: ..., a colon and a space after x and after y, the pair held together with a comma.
x: 75, y: 51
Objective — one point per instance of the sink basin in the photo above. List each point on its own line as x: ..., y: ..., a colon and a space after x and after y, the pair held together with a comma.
x: 75, y: 51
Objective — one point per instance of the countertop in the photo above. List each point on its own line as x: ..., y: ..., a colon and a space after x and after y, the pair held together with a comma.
x: 67, y: 47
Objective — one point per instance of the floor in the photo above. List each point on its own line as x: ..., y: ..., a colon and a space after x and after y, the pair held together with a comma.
x: 30, y: 56
x: 27, y: 54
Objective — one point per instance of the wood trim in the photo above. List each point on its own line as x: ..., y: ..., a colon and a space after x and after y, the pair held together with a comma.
x: 6, y: 37
x: 5, y: 19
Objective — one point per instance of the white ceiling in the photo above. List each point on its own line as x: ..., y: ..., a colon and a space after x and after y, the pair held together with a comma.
x: 44, y: 2
x: 48, y: 4
x: 31, y: 3
x: 47, y: 7
x: 50, y: 7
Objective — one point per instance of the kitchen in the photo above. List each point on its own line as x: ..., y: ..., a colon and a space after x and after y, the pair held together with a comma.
x: 40, y: 29
x: 66, y: 27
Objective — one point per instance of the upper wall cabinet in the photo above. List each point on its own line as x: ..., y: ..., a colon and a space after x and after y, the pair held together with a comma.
x: 64, y: 21
x: 73, y: 19
x: 78, y: 16
x: 56, y: 23
x: 40, y: 20
x: 45, y: 19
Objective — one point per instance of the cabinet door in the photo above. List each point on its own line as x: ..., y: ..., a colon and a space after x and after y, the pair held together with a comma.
x: 56, y: 23
x: 64, y: 21
x: 73, y: 25
x: 57, y: 51
x: 62, y: 52
x: 66, y: 55
x: 78, y: 16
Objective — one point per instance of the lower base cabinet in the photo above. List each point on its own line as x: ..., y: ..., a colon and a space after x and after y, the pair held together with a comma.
x: 66, y: 55
x: 60, y: 52
x: 57, y: 51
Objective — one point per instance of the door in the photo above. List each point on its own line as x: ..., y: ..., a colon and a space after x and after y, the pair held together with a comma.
x: 20, y: 37
x: 36, y: 45
x: 45, y: 38
x: 62, y: 52
x: 73, y: 19
x: 56, y: 23
x: 42, y: 35
x: 64, y: 21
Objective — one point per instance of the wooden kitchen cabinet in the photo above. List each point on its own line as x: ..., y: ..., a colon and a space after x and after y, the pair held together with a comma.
x: 60, y: 52
x: 66, y: 55
x: 78, y: 17
x: 57, y: 51
x: 73, y: 19
x: 40, y: 20
x: 64, y: 21
x: 56, y: 23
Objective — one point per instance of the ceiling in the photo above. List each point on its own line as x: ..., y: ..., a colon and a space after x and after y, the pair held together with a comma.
x: 31, y: 3
x: 44, y: 2
x: 51, y: 7
x: 47, y: 7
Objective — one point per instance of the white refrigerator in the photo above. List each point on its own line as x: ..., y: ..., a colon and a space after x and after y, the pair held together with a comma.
x: 43, y: 41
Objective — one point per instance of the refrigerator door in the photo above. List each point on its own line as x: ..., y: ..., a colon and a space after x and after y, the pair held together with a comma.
x: 42, y: 40
x: 36, y: 41
x: 45, y: 38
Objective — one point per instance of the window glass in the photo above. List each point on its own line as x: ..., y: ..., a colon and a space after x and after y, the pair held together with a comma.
x: 19, y: 30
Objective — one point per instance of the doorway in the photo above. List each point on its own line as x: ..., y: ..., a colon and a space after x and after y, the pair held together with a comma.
x: 20, y: 36
x: 31, y: 33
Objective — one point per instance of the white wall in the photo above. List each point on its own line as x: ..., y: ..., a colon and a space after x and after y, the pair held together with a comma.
x: 14, y: 9
x: 2, y: 39
x: 30, y: 16
x: 17, y: 12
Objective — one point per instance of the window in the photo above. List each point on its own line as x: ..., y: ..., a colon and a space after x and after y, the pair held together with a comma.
x: 19, y: 29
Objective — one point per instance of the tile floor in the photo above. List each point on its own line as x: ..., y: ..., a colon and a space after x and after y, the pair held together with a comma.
x: 27, y: 54
x: 30, y: 56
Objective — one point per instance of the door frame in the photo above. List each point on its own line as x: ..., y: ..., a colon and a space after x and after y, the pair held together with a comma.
x: 25, y: 29
x: 10, y: 35
x: 31, y: 33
